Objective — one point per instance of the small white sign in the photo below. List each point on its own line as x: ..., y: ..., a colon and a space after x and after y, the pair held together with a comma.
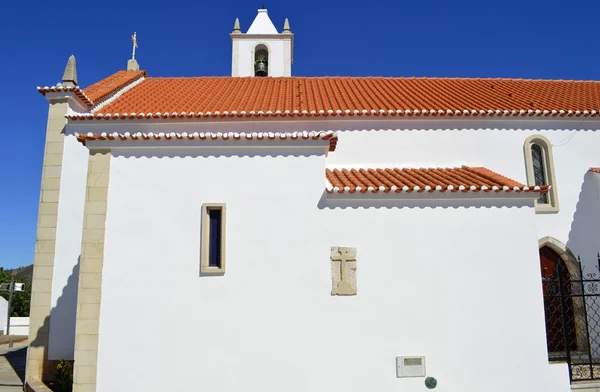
x: 410, y: 367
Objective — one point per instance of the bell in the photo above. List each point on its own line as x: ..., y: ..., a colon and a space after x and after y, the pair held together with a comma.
x: 261, y: 69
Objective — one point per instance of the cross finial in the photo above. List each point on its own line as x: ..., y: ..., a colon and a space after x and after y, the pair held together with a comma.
x: 135, y: 45
x: 263, y: 7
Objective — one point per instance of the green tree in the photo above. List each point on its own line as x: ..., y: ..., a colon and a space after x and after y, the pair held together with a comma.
x: 21, y: 300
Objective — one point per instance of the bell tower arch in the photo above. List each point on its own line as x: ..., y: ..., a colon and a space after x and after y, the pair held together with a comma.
x: 262, y: 51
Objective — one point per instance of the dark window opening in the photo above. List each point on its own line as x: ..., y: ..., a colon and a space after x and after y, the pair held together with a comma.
x: 214, y: 237
x: 261, y: 61
x: 539, y: 172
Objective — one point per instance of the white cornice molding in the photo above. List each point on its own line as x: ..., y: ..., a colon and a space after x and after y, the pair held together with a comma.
x: 283, y: 36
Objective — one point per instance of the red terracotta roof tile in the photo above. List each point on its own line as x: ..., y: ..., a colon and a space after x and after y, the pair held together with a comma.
x: 114, y: 82
x: 75, y: 90
x: 344, y: 96
x: 595, y: 169
x: 94, y: 94
x: 464, y: 179
x: 331, y: 136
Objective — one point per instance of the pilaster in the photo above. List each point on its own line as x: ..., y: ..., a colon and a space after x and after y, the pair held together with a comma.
x: 90, y: 272
x: 43, y: 269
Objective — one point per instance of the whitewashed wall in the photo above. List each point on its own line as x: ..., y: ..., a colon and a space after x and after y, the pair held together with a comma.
x: 457, y: 283
x: 496, y: 143
x: 3, y: 313
x: 69, y: 228
x: 279, y: 56
x: 18, y: 326
x: 499, y: 147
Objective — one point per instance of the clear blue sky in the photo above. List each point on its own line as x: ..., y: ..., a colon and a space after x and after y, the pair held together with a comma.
x: 484, y: 38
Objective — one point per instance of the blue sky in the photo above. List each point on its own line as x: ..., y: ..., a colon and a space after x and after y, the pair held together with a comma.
x: 485, y: 38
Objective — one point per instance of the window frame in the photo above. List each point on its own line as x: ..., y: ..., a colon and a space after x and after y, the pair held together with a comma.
x: 549, y: 173
x: 205, y: 267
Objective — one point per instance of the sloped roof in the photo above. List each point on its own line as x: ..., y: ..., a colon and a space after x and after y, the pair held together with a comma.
x: 116, y: 81
x: 464, y: 179
x: 95, y: 94
x: 197, y: 97
x: 79, y: 93
x: 262, y: 24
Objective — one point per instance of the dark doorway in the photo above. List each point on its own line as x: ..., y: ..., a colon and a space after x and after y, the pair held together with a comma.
x: 558, y: 303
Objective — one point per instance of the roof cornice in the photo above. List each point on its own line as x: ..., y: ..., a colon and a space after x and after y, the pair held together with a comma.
x: 281, y: 36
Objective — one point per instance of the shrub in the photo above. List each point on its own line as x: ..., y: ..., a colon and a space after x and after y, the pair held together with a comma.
x: 64, y: 375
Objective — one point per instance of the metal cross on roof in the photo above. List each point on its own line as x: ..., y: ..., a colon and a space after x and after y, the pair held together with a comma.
x: 135, y: 45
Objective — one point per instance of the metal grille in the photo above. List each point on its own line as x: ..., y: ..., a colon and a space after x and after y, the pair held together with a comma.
x: 539, y: 173
x: 572, y: 310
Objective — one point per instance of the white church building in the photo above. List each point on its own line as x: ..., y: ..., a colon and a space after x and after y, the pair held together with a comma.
x: 317, y: 233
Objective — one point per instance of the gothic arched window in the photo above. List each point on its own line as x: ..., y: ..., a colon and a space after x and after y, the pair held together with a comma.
x: 540, y: 171
x: 539, y: 174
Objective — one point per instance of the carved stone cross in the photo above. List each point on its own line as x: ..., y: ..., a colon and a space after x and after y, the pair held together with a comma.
x: 343, y: 270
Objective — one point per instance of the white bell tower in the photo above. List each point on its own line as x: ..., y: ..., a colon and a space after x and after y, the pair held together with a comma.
x: 262, y: 51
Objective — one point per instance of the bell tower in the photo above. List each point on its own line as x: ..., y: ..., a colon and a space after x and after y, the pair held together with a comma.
x: 262, y: 51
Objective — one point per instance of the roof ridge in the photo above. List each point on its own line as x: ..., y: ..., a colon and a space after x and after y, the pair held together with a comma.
x: 337, y: 77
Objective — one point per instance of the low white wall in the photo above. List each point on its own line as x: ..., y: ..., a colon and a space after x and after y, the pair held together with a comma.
x: 19, y: 326
x: 3, y: 313
x: 458, y: 283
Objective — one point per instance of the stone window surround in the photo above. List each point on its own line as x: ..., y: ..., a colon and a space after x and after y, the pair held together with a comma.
x: 548, y: 156
x: 205, y: 268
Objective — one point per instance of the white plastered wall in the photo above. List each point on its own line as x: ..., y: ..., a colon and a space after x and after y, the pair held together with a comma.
x: 496, y: 143
x: 68, y: 248
x: 457, y: 284
x: 279, y: 56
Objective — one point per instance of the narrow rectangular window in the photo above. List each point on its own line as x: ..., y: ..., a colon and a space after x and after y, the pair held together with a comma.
x: 214, y: 250
x: 213, y: 239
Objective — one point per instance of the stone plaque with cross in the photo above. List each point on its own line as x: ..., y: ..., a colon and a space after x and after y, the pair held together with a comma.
x: 343, y: 270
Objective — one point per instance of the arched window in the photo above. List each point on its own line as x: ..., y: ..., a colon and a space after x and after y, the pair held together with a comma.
x: 261, y: 60
x: 539, y: 174
x: 539, y: 163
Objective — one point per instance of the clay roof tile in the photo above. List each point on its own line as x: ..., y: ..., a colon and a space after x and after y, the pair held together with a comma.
x: 397, y: 180
x: 332, y: 96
